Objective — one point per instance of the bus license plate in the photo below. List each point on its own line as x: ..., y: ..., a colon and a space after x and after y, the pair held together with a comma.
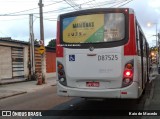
x: 92, y: 84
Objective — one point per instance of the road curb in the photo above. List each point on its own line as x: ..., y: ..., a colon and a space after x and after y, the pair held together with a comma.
x: 13, y: 82
x: 11, y: 95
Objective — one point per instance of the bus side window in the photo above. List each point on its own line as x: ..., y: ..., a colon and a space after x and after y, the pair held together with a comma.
x: 138, y: 41
x: 141, y: 44
x: 144, y: 47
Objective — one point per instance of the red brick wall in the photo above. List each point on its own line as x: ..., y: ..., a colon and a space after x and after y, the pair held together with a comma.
x: 50, y: 62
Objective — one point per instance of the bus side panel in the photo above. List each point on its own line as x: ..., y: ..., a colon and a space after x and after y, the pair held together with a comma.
x: 59, y: 49
x: 130, y: 47
x: 139, y: 73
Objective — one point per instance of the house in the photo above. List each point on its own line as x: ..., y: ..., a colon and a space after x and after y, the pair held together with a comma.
x: 14, y: 59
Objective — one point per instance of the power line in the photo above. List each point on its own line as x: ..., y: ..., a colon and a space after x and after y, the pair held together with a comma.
x: 65, y: 8
x: 69, y: 7
x: 57, y: 10
x: 4, y: 34
x: 125, y: 3
x: 89, y: 2
x: 31, y: 9
x: 106, y: 3
x: 14, y: 19
x: 118, y: 3
x: 15, y: 13
x: 31, y: 1
x: 20, y: 11
x: 111, y: 2
x: 48, y: 19
x: 72, y: 4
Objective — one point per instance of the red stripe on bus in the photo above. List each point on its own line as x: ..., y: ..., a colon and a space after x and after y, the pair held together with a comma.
x: 59, y: 49
x: 130, y: 47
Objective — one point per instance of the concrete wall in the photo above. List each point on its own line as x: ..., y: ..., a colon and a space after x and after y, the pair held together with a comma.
x: 25, y: 50
x: 50, y: 58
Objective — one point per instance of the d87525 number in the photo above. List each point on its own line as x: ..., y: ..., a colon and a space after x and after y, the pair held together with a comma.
x: 107, y: 57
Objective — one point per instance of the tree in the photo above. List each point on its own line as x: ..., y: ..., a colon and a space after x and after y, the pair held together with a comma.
x: 52, y: 43
x: 36, y: 42
x: 154, y: 49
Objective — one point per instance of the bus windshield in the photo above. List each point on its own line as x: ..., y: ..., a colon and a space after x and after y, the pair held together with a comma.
x: 93, y: 28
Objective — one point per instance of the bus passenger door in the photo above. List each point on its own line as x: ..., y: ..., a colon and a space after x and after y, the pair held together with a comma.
x: 142, y: 48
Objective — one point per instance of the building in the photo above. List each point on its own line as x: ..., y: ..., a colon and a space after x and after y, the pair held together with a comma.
x: 14, y: 60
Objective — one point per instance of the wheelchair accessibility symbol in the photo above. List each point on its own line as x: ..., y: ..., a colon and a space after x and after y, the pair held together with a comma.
x: 71, y: 57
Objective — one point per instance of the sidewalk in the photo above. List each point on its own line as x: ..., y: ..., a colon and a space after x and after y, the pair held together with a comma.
x: 23, y: 87
x: 9, y: 81
x: 153, y: 73
x: 155, y: 97
x: 153, y: 102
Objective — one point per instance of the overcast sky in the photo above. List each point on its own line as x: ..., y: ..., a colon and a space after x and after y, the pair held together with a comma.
x: 14, y: 15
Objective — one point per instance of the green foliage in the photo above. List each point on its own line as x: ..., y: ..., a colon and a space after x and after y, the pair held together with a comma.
x: 52, y: 43
x: 36, y: 42
x: 153, y: 48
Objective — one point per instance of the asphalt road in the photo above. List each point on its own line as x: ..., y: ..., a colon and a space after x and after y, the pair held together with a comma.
x: 43, y: 99
x: 101, y: 109
x: 76, y: 108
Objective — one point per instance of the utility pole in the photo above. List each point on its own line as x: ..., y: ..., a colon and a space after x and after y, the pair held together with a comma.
x: 158, y: 35
x: 157, y: 46
x: 43, y: 65
x: 32, y: 60
x: 41, y: 20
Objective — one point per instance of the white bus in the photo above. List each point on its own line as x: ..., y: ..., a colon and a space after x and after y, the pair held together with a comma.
x: 101, y: 53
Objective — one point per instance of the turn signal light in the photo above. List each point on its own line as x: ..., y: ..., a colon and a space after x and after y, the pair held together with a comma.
x: 60, y: 66
x: 129, y: 66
